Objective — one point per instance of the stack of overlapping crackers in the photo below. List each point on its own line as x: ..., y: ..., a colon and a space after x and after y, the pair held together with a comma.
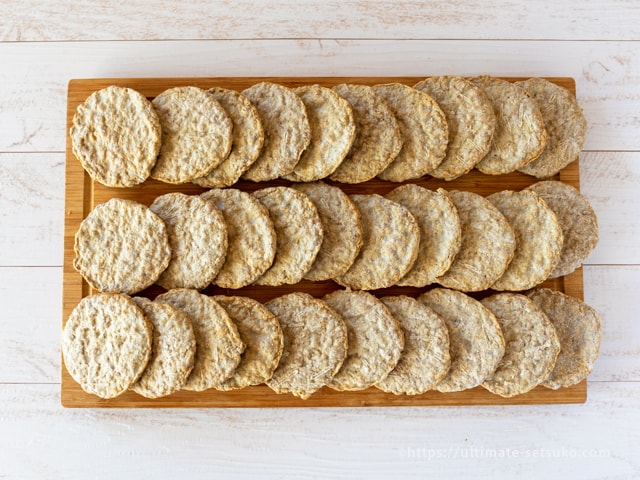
x: 449, y: 243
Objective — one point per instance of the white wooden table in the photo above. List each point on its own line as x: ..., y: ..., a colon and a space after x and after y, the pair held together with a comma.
x: 44, y: 43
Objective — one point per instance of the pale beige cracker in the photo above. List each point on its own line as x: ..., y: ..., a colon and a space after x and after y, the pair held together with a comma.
x: 470, y: 119
x: 577, y: 219
x: 260, y: 331
x: 198, y: 238
x: 520, y: 135
x: 218, y: 344
x: 246, y: 143
x: 377, y: 139
x: 172, y: 352
x: 565, y: 123
x: 424, y: 129
x: 251, y: 237
x: 315, y: 344
x: 390, y: 243
x: 475, y: 339
x: 106, y: 343
x: 440, y: 233
x: 538, y: 239
x: 116, y: 136
x: 122, y: 246
x: 375, y: 340
x: 342, y: 229
x: 287, y: 132
x: 531, y: 345
x: 298, y: 234
x: 196, y: 134
x: 425, y: 359
x: 578, y: 327
x: 487, y: 245
x: 332, y: 133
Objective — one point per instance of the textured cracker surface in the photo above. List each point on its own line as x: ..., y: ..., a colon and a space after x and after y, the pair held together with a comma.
x: 377, y: 138
x: 475, y: 339
x: 520, y: 135
x: 577, y: 219
x: 425, y: 359
x: 470, y: 119
x: 251, y: 237
x: 172, y: 352
x: 287, y: 132
x: 198, y: 239
x: 122, y: 246
x: 342, y: 229
x: 196, y: 134
x: 116, y: 136
x: 332, y: 133
x: 440, y: 233
x: 261, y: 333
x: 424, y: 130
x: 106, y: 343
x: 538, y: 239
x: 375, y: 340
x: 315, y: 344
x: 390, y: 241
x: 487, y: 246
x: 298, y: 234
x: 218, y: 344
x: 246, y: 143
x: 578, y: 328
x: 531, y: 345
x: 565, y: 123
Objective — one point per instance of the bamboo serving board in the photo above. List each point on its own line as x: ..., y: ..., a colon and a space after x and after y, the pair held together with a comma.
x: 82, y: 194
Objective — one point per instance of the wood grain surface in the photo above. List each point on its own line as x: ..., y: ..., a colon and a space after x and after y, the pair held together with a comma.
x: 83, y: 194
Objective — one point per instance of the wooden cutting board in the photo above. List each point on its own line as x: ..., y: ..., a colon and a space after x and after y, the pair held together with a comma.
x: 82, y: 194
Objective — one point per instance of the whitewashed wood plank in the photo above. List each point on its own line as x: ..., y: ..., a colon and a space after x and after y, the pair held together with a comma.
x: 31, y: 209
x: 30, y: 324
x: 33, y: 104
x: 599, y: 440
x: 46, y: 20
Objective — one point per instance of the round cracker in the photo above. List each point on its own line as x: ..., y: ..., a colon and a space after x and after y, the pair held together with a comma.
x: 246, y: 143
x: 577, y: 219
x: 377, y: 138
x: 332, y: 133
x: 565, y: 123
x: 578, y: 328
x: 538, y: 239
x: 475, y: 339
x: 116, y: 136
x: 424, y: 130
x: 196, y: 134
x: 298, y: 234
x: 425, y: 359
x: 532, y: 345
x: 470, y: 119
x: 261, y: 333
x: 218, y: 344
x: 520, y: 135
x: 198, y: 239
x: 122, y: 246
x: 251, y: 237
x: 315, y: 344
x: 106, y: 343
x: 375, y: 340
x: 487, y: 245
x: 342, y: 237
x: 172, y: 353
x: 440, y: 233
x: 390, y: 241
x: 286, y: 130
